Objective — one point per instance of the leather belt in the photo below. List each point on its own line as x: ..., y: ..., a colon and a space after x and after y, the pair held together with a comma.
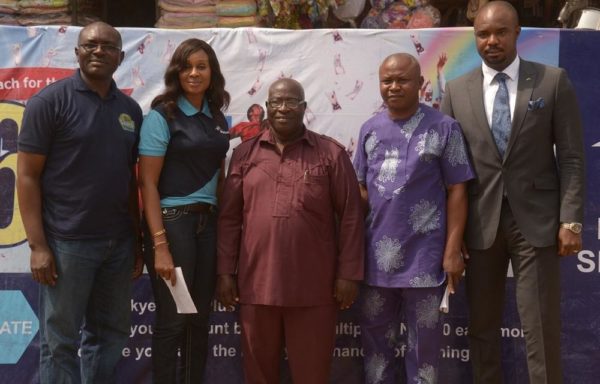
x: 194, y: 208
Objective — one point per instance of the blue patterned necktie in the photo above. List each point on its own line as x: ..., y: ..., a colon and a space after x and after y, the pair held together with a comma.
x: 501, y: 114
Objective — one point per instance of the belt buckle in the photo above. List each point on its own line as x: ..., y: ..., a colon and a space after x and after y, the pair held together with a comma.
x: 167, y: 211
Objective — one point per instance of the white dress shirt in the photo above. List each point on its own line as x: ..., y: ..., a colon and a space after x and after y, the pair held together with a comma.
x: 490, y: 87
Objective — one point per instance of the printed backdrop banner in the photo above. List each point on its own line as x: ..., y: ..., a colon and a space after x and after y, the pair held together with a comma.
x: 339, y: 71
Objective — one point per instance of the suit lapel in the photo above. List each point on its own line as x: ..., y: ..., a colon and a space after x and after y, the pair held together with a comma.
x: 475, y: 92
x: 527, y: 78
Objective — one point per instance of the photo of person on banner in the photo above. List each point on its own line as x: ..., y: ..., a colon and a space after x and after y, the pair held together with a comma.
x: 412, y: 168
x: 182, y: 148
x: 248, y: 129
x: 522, y: 124
x: 290, y: 247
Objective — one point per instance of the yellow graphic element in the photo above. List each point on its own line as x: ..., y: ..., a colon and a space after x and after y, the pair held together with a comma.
x: 127, y: 122
x: 14, y: 233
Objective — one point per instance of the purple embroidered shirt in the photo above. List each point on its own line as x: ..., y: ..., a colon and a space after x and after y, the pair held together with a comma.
x: 406, y: 166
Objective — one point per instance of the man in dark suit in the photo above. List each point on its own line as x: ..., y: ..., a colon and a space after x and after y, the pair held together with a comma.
x: 526, y: 204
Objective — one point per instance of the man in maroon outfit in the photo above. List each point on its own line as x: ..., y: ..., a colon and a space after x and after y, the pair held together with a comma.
x: 290, y: 244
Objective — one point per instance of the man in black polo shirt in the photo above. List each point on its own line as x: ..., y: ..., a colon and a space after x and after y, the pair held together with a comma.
x: 78, y: 201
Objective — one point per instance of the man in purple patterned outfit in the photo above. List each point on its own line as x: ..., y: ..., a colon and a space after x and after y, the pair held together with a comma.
x: 412, y: 166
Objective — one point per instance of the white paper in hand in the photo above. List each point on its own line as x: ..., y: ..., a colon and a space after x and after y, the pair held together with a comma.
x: 445, y: 304
x: 180, y: 294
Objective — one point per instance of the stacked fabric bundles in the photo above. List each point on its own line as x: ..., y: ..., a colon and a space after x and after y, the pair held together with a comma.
x: 8, y: 11
x: 44, y: 12
x: 183, y: 14
x: 236, y: 13
x: 48, y: 12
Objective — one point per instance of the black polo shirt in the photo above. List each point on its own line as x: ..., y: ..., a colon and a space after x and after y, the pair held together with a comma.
x: 90, y: 146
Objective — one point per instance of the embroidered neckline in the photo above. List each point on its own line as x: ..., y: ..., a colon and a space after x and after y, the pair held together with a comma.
x: 411, y: 124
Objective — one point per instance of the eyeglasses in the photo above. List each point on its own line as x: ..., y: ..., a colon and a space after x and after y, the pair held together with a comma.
x: 103, y: 47
x: 290, y: 103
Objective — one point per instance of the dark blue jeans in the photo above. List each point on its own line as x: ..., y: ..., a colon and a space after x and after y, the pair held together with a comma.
x: 92, y: 295
x: 192, y: 242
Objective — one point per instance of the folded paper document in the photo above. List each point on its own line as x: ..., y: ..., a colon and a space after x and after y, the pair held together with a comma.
x: 180, y: 293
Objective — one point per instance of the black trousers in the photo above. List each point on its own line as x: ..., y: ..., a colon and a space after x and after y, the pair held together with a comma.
x: 192, y: 243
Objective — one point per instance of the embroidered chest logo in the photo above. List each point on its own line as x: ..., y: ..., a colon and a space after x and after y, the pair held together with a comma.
x: 126, y: 122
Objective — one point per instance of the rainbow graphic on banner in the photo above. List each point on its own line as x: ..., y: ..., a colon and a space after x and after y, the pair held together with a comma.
x: 458, y: 45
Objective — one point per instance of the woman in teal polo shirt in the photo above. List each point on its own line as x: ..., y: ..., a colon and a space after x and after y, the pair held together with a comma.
x: 183, y: 144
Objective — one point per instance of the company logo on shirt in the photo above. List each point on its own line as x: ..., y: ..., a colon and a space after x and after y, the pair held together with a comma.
x: 127, y: 122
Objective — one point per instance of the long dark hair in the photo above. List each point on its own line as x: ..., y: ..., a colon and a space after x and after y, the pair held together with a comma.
x: 216, y: 95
